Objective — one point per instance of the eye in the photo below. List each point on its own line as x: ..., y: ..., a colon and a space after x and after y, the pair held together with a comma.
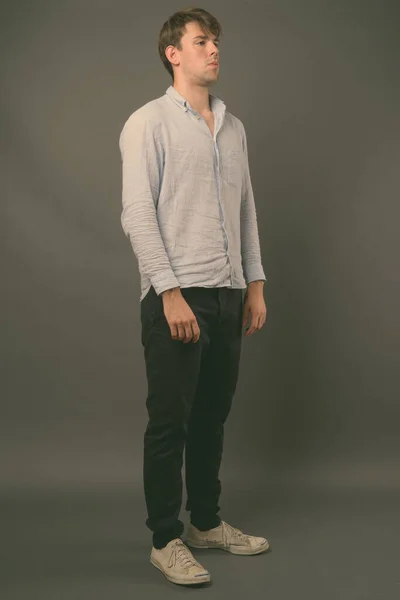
x: 203, y: 42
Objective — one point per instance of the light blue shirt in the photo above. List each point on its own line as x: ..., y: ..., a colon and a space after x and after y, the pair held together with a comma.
x: 188, y: 204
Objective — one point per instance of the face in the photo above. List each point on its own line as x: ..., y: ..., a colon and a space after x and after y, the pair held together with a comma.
x: 193, y: 62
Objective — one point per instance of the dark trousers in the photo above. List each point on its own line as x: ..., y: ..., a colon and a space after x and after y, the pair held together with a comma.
x: 190, y: 392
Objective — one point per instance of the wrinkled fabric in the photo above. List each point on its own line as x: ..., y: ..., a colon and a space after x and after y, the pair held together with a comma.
x: 188, y: 204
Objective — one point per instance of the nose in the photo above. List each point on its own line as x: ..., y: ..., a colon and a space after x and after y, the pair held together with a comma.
x: 216, y: 51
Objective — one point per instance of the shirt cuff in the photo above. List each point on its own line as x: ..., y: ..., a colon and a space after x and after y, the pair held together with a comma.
x: 254, y: 273
x: 164, y: 281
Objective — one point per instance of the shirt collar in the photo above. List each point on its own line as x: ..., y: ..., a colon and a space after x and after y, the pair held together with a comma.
x: 216, y: 104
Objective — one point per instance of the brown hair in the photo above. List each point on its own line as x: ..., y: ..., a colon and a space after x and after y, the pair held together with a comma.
x: 174, y: 28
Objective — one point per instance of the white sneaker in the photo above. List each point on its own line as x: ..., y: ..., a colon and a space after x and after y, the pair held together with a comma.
x: 178, y: 564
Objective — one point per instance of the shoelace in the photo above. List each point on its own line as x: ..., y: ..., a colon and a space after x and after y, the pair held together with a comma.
x: 236, y: 532
x: 180, y: 553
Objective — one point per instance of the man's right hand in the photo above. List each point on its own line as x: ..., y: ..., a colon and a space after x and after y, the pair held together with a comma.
x: 180, y: 317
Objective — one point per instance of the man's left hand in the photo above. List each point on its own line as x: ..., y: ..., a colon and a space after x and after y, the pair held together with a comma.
x: 254, y: 306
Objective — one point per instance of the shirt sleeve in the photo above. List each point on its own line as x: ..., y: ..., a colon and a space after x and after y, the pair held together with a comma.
x: 142, y: 170
x: 249, y: 239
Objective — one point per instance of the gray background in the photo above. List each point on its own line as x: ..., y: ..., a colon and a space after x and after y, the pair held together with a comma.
x: 311, y: 455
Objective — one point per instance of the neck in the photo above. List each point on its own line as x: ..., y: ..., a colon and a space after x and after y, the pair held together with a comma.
x: 197, y: 96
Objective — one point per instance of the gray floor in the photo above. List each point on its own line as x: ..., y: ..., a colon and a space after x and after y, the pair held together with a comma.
x: 92, y: 543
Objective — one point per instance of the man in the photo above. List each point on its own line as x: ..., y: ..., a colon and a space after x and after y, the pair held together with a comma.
x: 188, y: 210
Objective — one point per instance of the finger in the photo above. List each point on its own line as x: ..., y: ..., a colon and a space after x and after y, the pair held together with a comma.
x: 181, y: 332
x: 188, y: 333
x: 250, y: 330
x: 196, y: 333
x: 255, y: 325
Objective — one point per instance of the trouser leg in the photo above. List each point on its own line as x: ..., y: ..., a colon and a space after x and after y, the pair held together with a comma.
x: 216, y: 386
x: 172, y: 369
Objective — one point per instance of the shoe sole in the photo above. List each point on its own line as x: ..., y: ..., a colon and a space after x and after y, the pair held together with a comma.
x: 198, y: 581
x: 231, y: 549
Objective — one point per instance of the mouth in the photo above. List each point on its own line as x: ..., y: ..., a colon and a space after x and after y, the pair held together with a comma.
x: 214, y: 64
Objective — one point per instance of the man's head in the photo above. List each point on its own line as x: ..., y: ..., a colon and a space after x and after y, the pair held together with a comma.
x: 188, y: 44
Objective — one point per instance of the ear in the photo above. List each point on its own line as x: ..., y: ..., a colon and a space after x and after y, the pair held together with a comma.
x: 172, y: 55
